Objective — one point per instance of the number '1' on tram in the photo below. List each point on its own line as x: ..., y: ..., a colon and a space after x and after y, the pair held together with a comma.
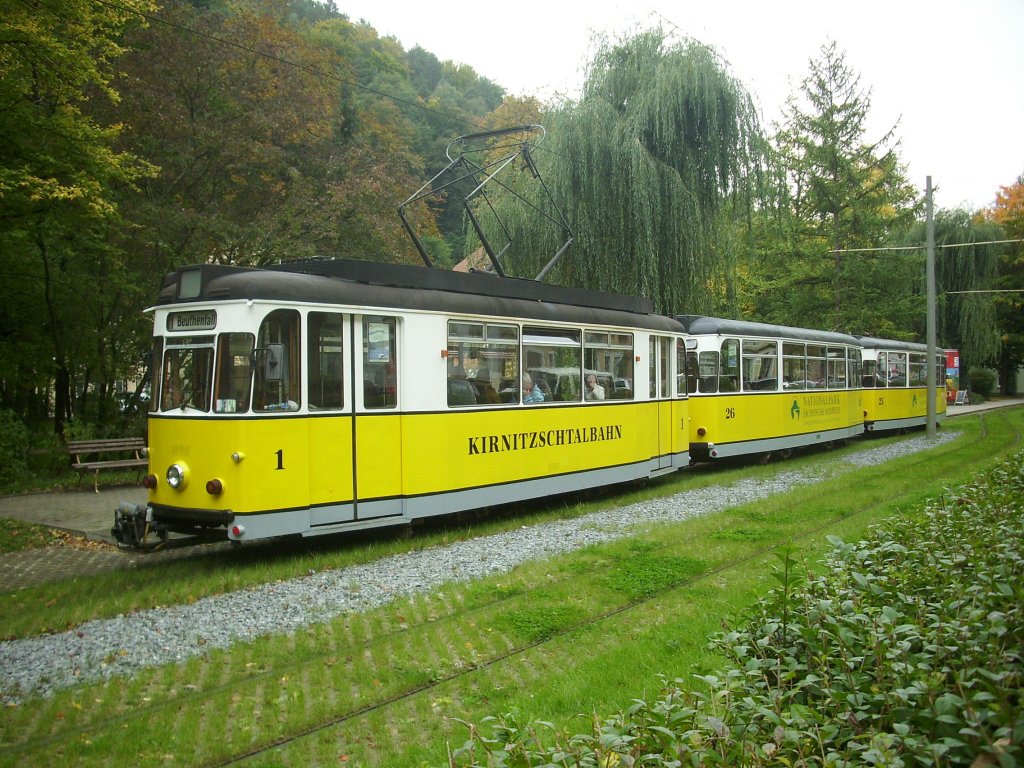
x: 326, y: 396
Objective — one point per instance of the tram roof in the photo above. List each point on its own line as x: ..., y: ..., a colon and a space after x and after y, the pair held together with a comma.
x: 702, y: 324
x: 399, y: 286
x: 870, y: 342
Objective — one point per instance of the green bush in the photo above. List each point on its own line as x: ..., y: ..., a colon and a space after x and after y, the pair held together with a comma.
x: 982, y: 382
x: 906, y: 651
x: 14, y: 446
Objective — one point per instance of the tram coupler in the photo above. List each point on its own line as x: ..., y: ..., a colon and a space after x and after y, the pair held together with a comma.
x: 134, y: 526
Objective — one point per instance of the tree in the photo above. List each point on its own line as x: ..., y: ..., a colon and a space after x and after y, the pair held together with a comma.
x: 643, y: 167
x: 1008, y: 213
x: 837, y: 191
x: 964, y: 261
x: 59, y: 170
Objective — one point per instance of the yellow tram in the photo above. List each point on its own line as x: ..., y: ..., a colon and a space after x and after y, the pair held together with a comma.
x: 896, y: 384
x: 326, y: 396
x: 760, y: 388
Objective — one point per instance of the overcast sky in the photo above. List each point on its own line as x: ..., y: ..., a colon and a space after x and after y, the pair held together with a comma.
x: 950, y: 72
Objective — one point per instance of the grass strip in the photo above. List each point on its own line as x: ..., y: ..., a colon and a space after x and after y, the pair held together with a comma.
x: 278, y: 687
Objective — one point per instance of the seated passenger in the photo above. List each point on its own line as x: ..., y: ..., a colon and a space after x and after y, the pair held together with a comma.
x: 455, y: 369
x: 594, y: 390
x: 531, y: 392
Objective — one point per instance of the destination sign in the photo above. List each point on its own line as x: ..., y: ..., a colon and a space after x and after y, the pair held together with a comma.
x: 200, y: 320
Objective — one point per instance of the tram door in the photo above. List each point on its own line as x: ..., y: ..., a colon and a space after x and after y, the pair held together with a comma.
x: 661, y: 393
x: 328, y: 335
x: 377, y: 431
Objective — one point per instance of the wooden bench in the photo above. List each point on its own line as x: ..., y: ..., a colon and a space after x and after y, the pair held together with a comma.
x: 129, y: 451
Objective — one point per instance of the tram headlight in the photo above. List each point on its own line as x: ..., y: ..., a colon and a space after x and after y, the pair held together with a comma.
x: 177, y: 476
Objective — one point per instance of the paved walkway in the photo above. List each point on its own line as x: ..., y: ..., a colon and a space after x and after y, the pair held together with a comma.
x: 89, y: 547
x: 89, y: 516
x: 1005, y: 402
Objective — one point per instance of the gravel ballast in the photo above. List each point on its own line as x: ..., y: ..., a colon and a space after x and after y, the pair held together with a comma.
x: 106, y: 648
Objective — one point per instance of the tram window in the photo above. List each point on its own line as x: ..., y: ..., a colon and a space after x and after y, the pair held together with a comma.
x: 868, y: 376
x: 380, y: 362
x: 853, y: 367
x: 897, y: 369
x: 881, y: 370
x: 817, y: 366
x: 234, y: 373
x: 470, y: 331
x: 684, y: 378
x: 707, y: 372
x: 481, y: 356
x: 691, y: 371
x: 553, y: 358
x: 659, y: 367
x: 277, y: 363
x: 729, y: 375
x: 187, y: 374
x: 325, y: 345
x: 760, y: 365
x: 918, y: 370
x: 652, y: 368
x: 794, y: 365
x: 154, y: 373
x: 608, y: 357
x: 837, y: 367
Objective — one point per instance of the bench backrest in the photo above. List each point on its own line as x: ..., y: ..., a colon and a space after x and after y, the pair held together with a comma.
x: 95, y: 446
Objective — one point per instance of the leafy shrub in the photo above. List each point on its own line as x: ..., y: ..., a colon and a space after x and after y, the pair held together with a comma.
x: 14, y: 446
x: 982, y: 382
x: 48, y: 457
x: 906, y: 651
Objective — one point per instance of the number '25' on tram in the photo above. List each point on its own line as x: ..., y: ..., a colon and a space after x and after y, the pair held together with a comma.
x: 896, y: 384
x: 318, y: 397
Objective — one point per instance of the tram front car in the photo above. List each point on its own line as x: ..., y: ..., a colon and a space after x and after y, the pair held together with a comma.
x: 279, y: 406
x: 221, y: 369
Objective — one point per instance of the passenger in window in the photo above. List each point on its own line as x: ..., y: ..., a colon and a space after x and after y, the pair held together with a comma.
x: 455, y: 369
x: 531, y: 392
x: 594, y: 390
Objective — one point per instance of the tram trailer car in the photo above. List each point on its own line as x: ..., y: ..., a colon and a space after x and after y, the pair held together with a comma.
x: 895, y: 382
x: 761, y: 388
x: 327, y: 396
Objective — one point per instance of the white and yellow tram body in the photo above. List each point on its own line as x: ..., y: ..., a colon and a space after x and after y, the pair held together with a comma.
x: 759, y: 388
x: 895, y: 384
x: 327, y: 396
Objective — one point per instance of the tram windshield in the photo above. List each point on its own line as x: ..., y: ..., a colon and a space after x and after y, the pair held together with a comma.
x: 187, y: 373
x: 234, y: 372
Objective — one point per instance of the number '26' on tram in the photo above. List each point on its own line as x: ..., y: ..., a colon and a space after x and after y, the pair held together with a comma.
x: 761, y: 388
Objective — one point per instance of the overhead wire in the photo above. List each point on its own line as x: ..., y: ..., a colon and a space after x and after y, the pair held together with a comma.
x: 922, y: 247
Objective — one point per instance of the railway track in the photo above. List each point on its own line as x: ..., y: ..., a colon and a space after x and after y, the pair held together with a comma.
x: 236, y: 712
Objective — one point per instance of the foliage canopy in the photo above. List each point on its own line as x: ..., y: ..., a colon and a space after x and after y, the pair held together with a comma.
x: 662, y: 142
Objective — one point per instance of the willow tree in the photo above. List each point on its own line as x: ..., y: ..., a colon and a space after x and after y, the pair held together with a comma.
x: 967, y: 260
x: 662, y: 141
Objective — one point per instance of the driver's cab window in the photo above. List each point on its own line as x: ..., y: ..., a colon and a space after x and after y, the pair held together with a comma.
x: 380, y: 362
x: 729, y: 373
x: 277, y: 363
